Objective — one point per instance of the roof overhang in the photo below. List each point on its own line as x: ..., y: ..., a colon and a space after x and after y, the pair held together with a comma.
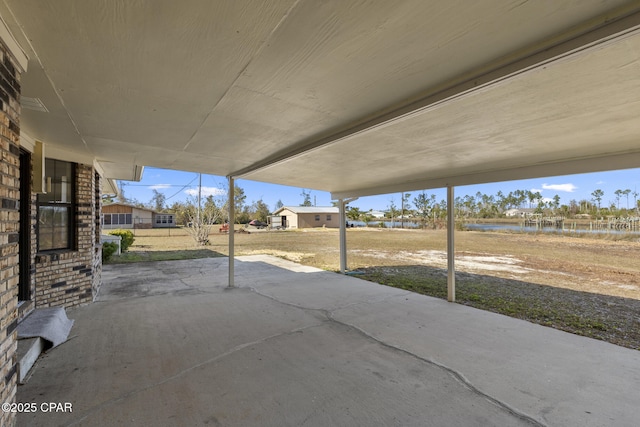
x: 354, y: 98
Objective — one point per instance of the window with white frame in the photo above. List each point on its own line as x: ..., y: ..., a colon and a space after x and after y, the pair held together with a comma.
x: 56, y: 207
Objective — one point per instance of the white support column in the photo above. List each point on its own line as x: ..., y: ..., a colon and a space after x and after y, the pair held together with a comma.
x: 232, y: 216
x: 342, y: 207
x: 343, y: 236
x: 451, y: 226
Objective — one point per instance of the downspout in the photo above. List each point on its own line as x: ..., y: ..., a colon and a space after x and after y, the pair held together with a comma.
x: 232, y: 217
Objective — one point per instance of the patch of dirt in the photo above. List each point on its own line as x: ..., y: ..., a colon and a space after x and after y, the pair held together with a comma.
x: 291, y: 256
x: 477, y: 262
x: 596, y: 266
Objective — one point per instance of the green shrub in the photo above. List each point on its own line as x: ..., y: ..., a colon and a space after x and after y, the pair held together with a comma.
x: 127, y: 238
x: 108, y: 249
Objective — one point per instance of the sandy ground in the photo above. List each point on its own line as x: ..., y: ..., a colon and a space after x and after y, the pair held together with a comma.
x: 565, y: 274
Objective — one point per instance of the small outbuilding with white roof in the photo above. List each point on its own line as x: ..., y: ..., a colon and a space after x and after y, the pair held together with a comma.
x: 309, y: 216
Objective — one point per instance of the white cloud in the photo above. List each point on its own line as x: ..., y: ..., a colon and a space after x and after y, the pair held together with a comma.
x: 569, y: 188
x: 536, y: 190
x: 599, y: 182
x: 207, y: 191
x: 160, y: 186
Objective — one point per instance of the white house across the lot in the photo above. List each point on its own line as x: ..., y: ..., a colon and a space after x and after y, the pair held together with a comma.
x: 123, y: 216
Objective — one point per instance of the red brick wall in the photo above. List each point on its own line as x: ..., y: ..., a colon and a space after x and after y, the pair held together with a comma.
x: 9, y: 226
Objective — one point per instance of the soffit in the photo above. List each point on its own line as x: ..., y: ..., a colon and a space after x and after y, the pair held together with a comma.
x: 221, y: 87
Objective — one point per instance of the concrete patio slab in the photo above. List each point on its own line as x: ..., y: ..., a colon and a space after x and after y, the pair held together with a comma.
x: 168, y: 344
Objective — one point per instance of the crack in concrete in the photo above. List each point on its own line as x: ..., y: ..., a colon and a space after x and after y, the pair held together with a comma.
x: 179, y: 374
x: 329, y: 315
x: 326, y: 312
x: 458, y: 376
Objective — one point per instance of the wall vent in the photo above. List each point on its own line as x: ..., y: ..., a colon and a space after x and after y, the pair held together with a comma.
x: 34, y: 104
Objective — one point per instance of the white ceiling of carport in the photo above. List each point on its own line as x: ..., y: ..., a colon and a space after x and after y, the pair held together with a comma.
x: 225, y: 87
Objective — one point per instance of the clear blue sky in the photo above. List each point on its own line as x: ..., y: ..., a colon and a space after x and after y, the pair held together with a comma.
x: 177, y: 185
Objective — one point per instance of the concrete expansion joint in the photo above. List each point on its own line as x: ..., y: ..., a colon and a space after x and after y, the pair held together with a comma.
x: 458, y: 376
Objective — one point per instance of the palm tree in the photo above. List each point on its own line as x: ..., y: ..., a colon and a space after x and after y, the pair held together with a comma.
x: 597, y: 197
x: 532, y: 197
x: 618, y: 194
x: 354, y: 214
x: 626, y: 193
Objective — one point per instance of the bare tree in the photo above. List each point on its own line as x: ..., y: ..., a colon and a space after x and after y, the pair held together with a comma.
x: 392, y: 211
x: 201, y: 220
x: 158, y: 200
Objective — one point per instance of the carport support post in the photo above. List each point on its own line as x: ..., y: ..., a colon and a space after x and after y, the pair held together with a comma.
x: 451, y: 226
x: 343, y: 236
x: 342, y: 207
x: 232, y: 216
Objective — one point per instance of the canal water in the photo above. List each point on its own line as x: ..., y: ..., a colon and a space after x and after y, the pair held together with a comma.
x: 534, y: 229
x: 386, y: 224
x: 499, y: 227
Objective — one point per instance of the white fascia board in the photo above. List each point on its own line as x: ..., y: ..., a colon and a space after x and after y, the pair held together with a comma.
x: 617, y: 161
x: 110, y: 186
x: 16, y: 50
x: 137, y: 172
x: 27, y: 142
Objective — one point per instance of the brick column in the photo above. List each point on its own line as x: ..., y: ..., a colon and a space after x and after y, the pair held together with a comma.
x: 97, y: 231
